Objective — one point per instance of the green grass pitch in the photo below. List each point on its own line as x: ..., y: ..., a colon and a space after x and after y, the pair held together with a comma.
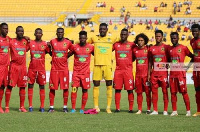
x: 123, y: 121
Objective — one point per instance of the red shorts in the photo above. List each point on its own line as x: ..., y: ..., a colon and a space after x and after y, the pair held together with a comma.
x: 81, y: 80
x: 141, y: 84
x: 4, y: 76
x: 159, y: 81
x: 123, y: 77
x: 178, y: 85
x: 196, y: 79
x: 17, y: 76
x: 39, y: 76
x: 59, y: 77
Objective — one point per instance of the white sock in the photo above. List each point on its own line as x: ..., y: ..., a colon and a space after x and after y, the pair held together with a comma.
x: 64, y: 106
x: 51, y: 106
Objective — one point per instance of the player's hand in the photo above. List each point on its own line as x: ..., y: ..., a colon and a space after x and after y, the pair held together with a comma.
x: 192, y: 78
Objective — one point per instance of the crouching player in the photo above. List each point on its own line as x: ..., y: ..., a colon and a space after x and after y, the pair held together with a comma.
x: 81, y: 72
x: 36, y: 71
x: 177, y: 77
x: 141, y: 54
x: 124, y: 70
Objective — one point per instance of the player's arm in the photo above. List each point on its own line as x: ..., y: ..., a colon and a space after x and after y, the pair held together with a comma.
x: 150, y: 64
x: 133, y: 56
x: 27, y: 38
x: 71, y: 49
x: 189, y: 54
x: 50, y: 48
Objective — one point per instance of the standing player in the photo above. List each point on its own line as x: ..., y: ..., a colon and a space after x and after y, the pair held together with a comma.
x: 177, y: 80
x: 4, y: 59
x: 124, y: 70
x: 141, y: 55
x: 17, y: 72
x: 102, y: 64
x: 158, y: 54
x: 195, y: 43
x: 59, y: 70
x: 81, y: 73
x: 36, y: 71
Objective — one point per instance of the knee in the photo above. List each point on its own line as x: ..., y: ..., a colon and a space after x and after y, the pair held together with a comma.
x: 129, y: 91
x: 41, y: 86
x: 108, y: 82
x: 30, y: 85
x: 96, y: 83
x: 84, y: 90
x: 117, y: 91
x: 2, y: 87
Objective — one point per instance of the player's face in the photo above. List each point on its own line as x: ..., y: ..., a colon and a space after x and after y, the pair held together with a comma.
x: 38, y: 34
x: 195, y: 32
x: 124, y: 35
x: 4, y: 30
x: 82, y: 39
x: 20, y: 32
x: 158, y: 37
x: 60, y: 34
x: 174, y: 39
x: 141, y: 42
x: 103, y: 30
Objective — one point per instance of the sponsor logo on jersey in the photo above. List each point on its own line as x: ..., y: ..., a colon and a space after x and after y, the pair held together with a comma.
x: 103, y: 50
x: 65, y: 44
x: 37, y: 55
x: 123, y: 55
x: 174, y: 61
x: 5, y: 50
x: 158, y: 59
x: 141, y: 61
x: 42, y: 47
x: 59, y: 55
x: 21, y: 53
x: 82, y: 59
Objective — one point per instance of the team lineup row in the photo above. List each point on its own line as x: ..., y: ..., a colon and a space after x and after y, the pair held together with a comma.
x: 147, y: 79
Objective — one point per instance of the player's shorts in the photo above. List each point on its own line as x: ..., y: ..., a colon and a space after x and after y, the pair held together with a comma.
x: 159, y: 81
x: 38, y: 76
x: 101, y: 72
x: 142, y: 84
x: 196, y: 79
x: 17, y: 76
x: 4, y: 76
x: 59, y: 77
x: 81, y: 80
x: 123, y: 77
x: 178, y: 85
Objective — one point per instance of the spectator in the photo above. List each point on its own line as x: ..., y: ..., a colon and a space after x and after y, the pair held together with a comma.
x: 132, y: 23
x: 165, y: 4
x: 123, y: 9
x: 156, y: 28
x: 162, y: 4
x: 183, y: 37
x: 178, y: 9
x: 188, y: 11
x: 150, y: 22
x: 109, y: 34
x: 174, y: 6
x: 170, y: 18
x: 92, y: 29
x: 155, y: 9
x: 144, y: 7
x: 147, y: 27
x: 110, y: 23
x: 140, y: 23
x: 180, y: 4
x: 152, y: 39
x: 101, y: 4
x: 104, y: 4
x: 151, y: 27
x: 112, y: 9
x: 127, y: 17
x: 146, y: 22
x: 178, y: 28
x: 132, y: 33
x: 159, y: 22
x: 156, y: 22
x: 139, y: 4
x: 98, y: 4
x: 185, y: 29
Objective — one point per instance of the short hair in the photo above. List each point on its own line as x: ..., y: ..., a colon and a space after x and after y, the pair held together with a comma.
x: 2, y: 24
x: 60, y: 29
x: 38, y: 29
x: 103, y: 24
x: 174, y: 33
x: 141, y: 35
x: 159, y: 31
x: 124, y: 29
x: 82, y: 33
x: 196, y: 26
x: 19, y: 27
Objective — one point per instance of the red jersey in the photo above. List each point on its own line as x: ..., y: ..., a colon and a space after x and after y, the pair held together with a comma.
x: 196, y: 48
x: 82, y: 55
x: 142, y: 60
x: 18, y: 52
x: 123, y: 54
x: 159, y: 54
x: 59, y: 54
x: 4, y: 51
x: 177, y: 55
x: 37, y: 51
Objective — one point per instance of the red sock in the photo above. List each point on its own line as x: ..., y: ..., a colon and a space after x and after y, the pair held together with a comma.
x: 148, y: 100
x: 42, y: 97
x: 7, y: 96
x: 155, y: 99
x: 73, y: 99
x: 117, y: 100
x: 174, y: 101
x: 130, y: 100
x: 198, y: 100
x: 84, y: 100
x: 139, y: 101
x: 186, y: 100
x: 30, y: 97
x: 1, y: 95
x: 65, y: 96
x: 22, y: 94
x: 165, y: 98
x: 51, y: 97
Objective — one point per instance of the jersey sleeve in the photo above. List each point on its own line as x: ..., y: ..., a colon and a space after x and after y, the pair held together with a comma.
x: 134, y: 57
x: 70, y: 46
x: 188, y: 53
x: 27, y: 45
x: 113, y: 48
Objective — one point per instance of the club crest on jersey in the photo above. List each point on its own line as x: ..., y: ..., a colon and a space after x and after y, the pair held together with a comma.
x: 64, y: 44
x: 179, y: 50
x: 87, y: 49
x: 42, y: 46
x: 51, y: 85
x: 145, y: 51
x: 162, y: 49
x: 24, y: 43
x: 128, y: 46
x: 7, y: 40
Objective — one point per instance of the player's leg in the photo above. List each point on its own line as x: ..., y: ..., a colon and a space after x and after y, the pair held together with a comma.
x: 97, y: 76
x: 197, y: 89
x: 84, y: 100
x: 30, y: 97
x: 108, y: 77
x: 183, y: 90
x: 147, y: 89
x: 22, y: 94
x: 130, y: 100
x: 42, y: 97
x: 164, y: 86
x: 154, y: 87
x: 117, y: 100
x: 139, y: 91
x: 73, y: 99
x: 1, y: 97
x: 7, y: 98
x: 173, y: 90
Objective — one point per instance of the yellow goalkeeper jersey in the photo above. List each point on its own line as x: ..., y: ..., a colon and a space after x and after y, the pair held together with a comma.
x: 103, y: 49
